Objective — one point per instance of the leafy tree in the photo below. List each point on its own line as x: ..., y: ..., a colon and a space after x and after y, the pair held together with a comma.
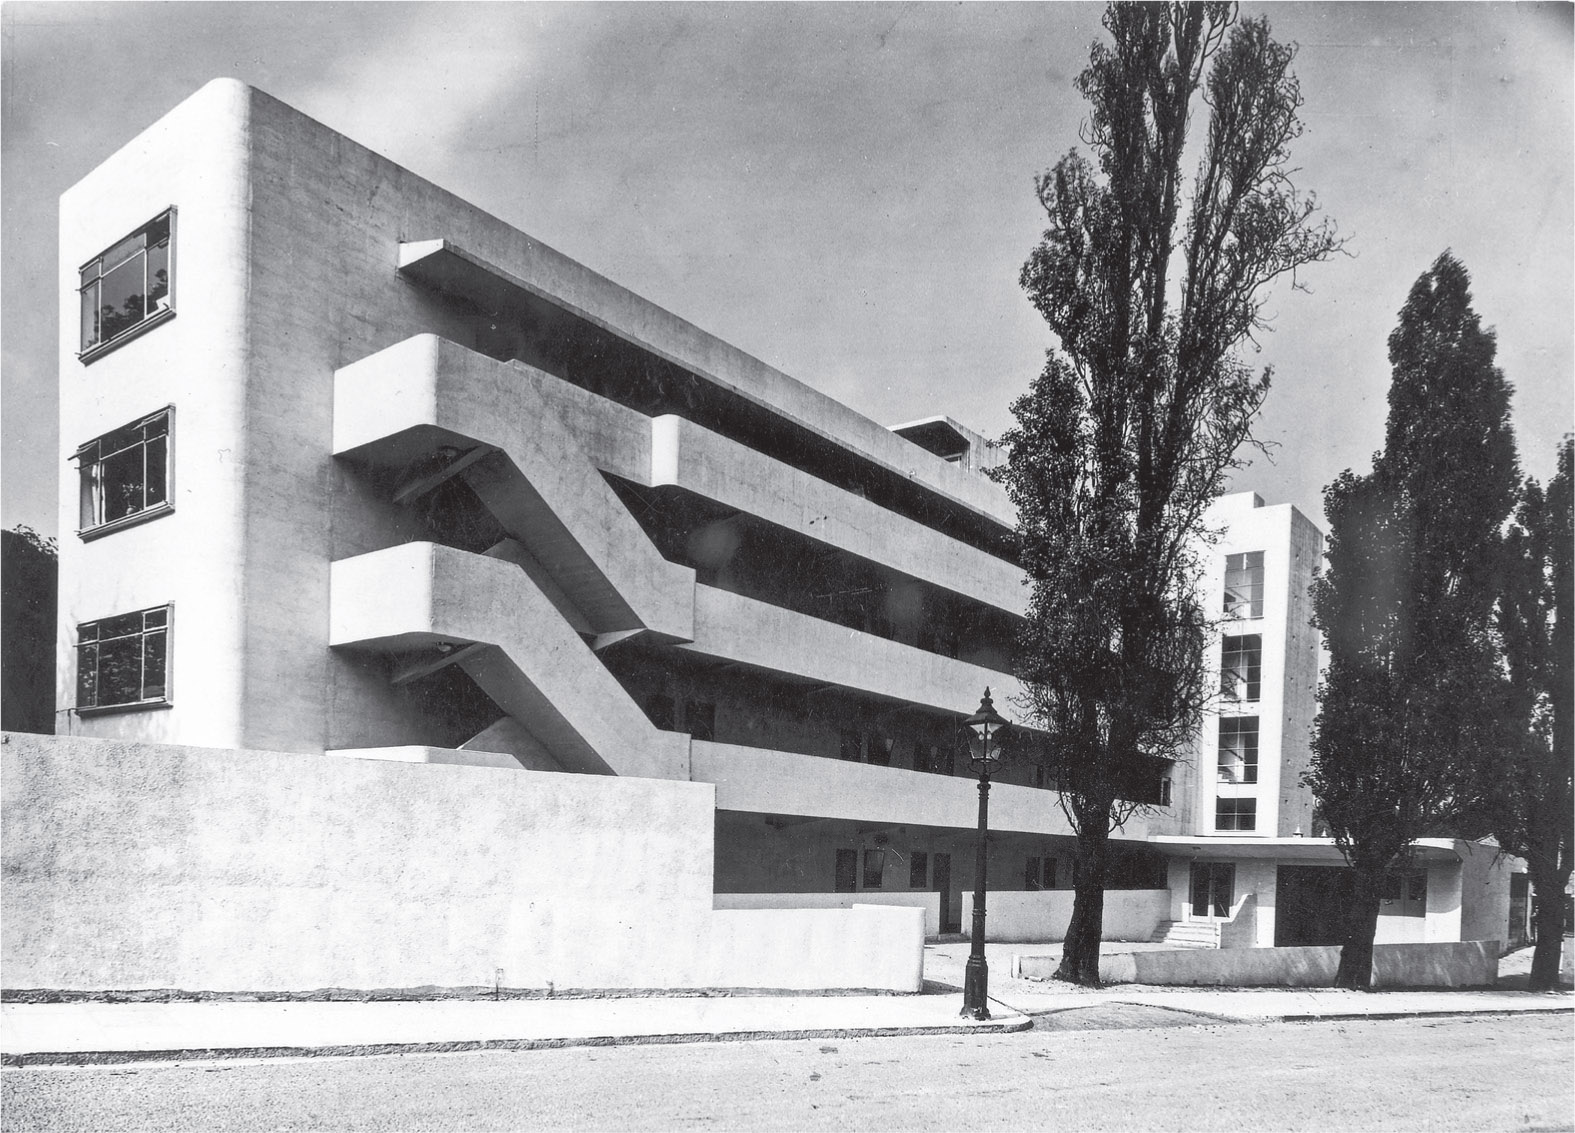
x: 1407, y: 712
x: 1127, y: 434
x: 1534, y: 815
x: 28, y: 625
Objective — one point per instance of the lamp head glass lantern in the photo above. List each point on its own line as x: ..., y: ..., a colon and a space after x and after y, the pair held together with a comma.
x: 986, y: 725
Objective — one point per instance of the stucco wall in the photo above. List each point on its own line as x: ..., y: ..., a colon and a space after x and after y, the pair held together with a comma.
x: 928, y: 903
x: 1460, y: 964
x: 143, y: 866
x: 1130, y: 914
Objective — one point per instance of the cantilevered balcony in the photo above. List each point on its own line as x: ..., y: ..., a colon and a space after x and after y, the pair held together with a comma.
x: 623, y: 346
x: 733, y: 628
x: 778, y: 782
x: 425, y: 605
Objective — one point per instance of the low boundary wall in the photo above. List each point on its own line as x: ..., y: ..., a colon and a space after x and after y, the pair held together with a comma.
x: 1469, y: 963
x: 1018, y: 917
x: 139, y: 866
x: 929, y: 902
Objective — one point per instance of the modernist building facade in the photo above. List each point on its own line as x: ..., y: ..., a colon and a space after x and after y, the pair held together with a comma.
x: 360, y: 471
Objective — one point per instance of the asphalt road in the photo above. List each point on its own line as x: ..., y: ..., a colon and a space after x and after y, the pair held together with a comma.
x: 1484, y: 1073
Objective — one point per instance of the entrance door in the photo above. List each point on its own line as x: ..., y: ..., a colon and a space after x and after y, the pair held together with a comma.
x: 1213, y: 888
x: 941, y: 882
x: 847, y: 876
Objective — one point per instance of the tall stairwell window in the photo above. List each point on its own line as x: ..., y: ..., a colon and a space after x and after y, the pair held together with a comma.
x: 1244, y: 585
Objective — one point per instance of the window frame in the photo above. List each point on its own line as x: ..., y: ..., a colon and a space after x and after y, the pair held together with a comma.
x: 148, y: 512
x: 1241, y: 808
x: 92, y: 352
x: 1242, y: 727
x: 165, y: 699
x: 1252, y: 569
x: 1241, y: 657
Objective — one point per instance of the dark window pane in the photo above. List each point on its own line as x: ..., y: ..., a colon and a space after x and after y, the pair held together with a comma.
x: 1049, y: 874
x: 122, y: 484
x: 700, y: 719
x: 155, y: 618
x: 121, y: 438
x: 122, y: 251
x: 918, y: 869
x: 121, y: 301
x: 159, y: 231
x: 120, y: 670
x: 153, y: 664
x: 119, y: 626
x: 158, y: 276
x: 88, y: 274
x: 90, y: 327
x: 851, y: 745
x: 874, y: 868
x: 87, y: 674
x: 157, y: 471
x: 158, y: 426
x: 880, y: 749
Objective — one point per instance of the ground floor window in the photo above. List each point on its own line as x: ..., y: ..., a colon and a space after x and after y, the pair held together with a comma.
x: 918, y: 870
x: 874, y: 868
x: 1039, y: 873
x: 123, y: 662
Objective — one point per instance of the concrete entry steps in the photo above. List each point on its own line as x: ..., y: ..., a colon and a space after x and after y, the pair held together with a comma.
x: 1188, y: 934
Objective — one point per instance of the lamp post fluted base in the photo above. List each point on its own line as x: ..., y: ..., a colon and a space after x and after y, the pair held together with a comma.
x: 976, y: 981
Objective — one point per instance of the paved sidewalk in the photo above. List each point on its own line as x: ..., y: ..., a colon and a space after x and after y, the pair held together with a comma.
x: 1260, y: 1005
x: 107, y: 1032
x: 110, y: 1032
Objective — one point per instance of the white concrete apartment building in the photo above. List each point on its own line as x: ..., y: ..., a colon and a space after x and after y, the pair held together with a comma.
x: 364, y: 474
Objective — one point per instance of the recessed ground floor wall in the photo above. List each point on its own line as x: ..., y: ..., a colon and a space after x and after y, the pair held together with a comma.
x: 131, y: 865
x: 776, y: 858
x: 1262, y: 902
x: 1017, y: 917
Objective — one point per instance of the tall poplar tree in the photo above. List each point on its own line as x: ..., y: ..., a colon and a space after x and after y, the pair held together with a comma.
x: 1407, y: 713
x: 1534, y: 815
x: 1150, y: 285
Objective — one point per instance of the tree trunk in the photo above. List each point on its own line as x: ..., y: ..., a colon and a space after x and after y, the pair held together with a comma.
x: 1080, y: 951
x: 1356, y: 952
x: 1550, y: 928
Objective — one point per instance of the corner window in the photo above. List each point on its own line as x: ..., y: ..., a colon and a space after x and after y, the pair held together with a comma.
x: 1236, y: 814
x: 128, y: 287
x: 123, y: 662
x: 125, y: 475
x: 1244, y: 585
x: 1241, y: 667
x: 1239, y: 750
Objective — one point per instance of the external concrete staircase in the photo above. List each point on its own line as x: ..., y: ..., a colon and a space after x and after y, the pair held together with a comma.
x: 1188, y: 934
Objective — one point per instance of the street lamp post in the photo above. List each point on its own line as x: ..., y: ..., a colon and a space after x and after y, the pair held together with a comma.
x: 986, y: 725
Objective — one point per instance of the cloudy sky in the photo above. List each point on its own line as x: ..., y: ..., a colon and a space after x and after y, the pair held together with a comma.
x: 845, y: 191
